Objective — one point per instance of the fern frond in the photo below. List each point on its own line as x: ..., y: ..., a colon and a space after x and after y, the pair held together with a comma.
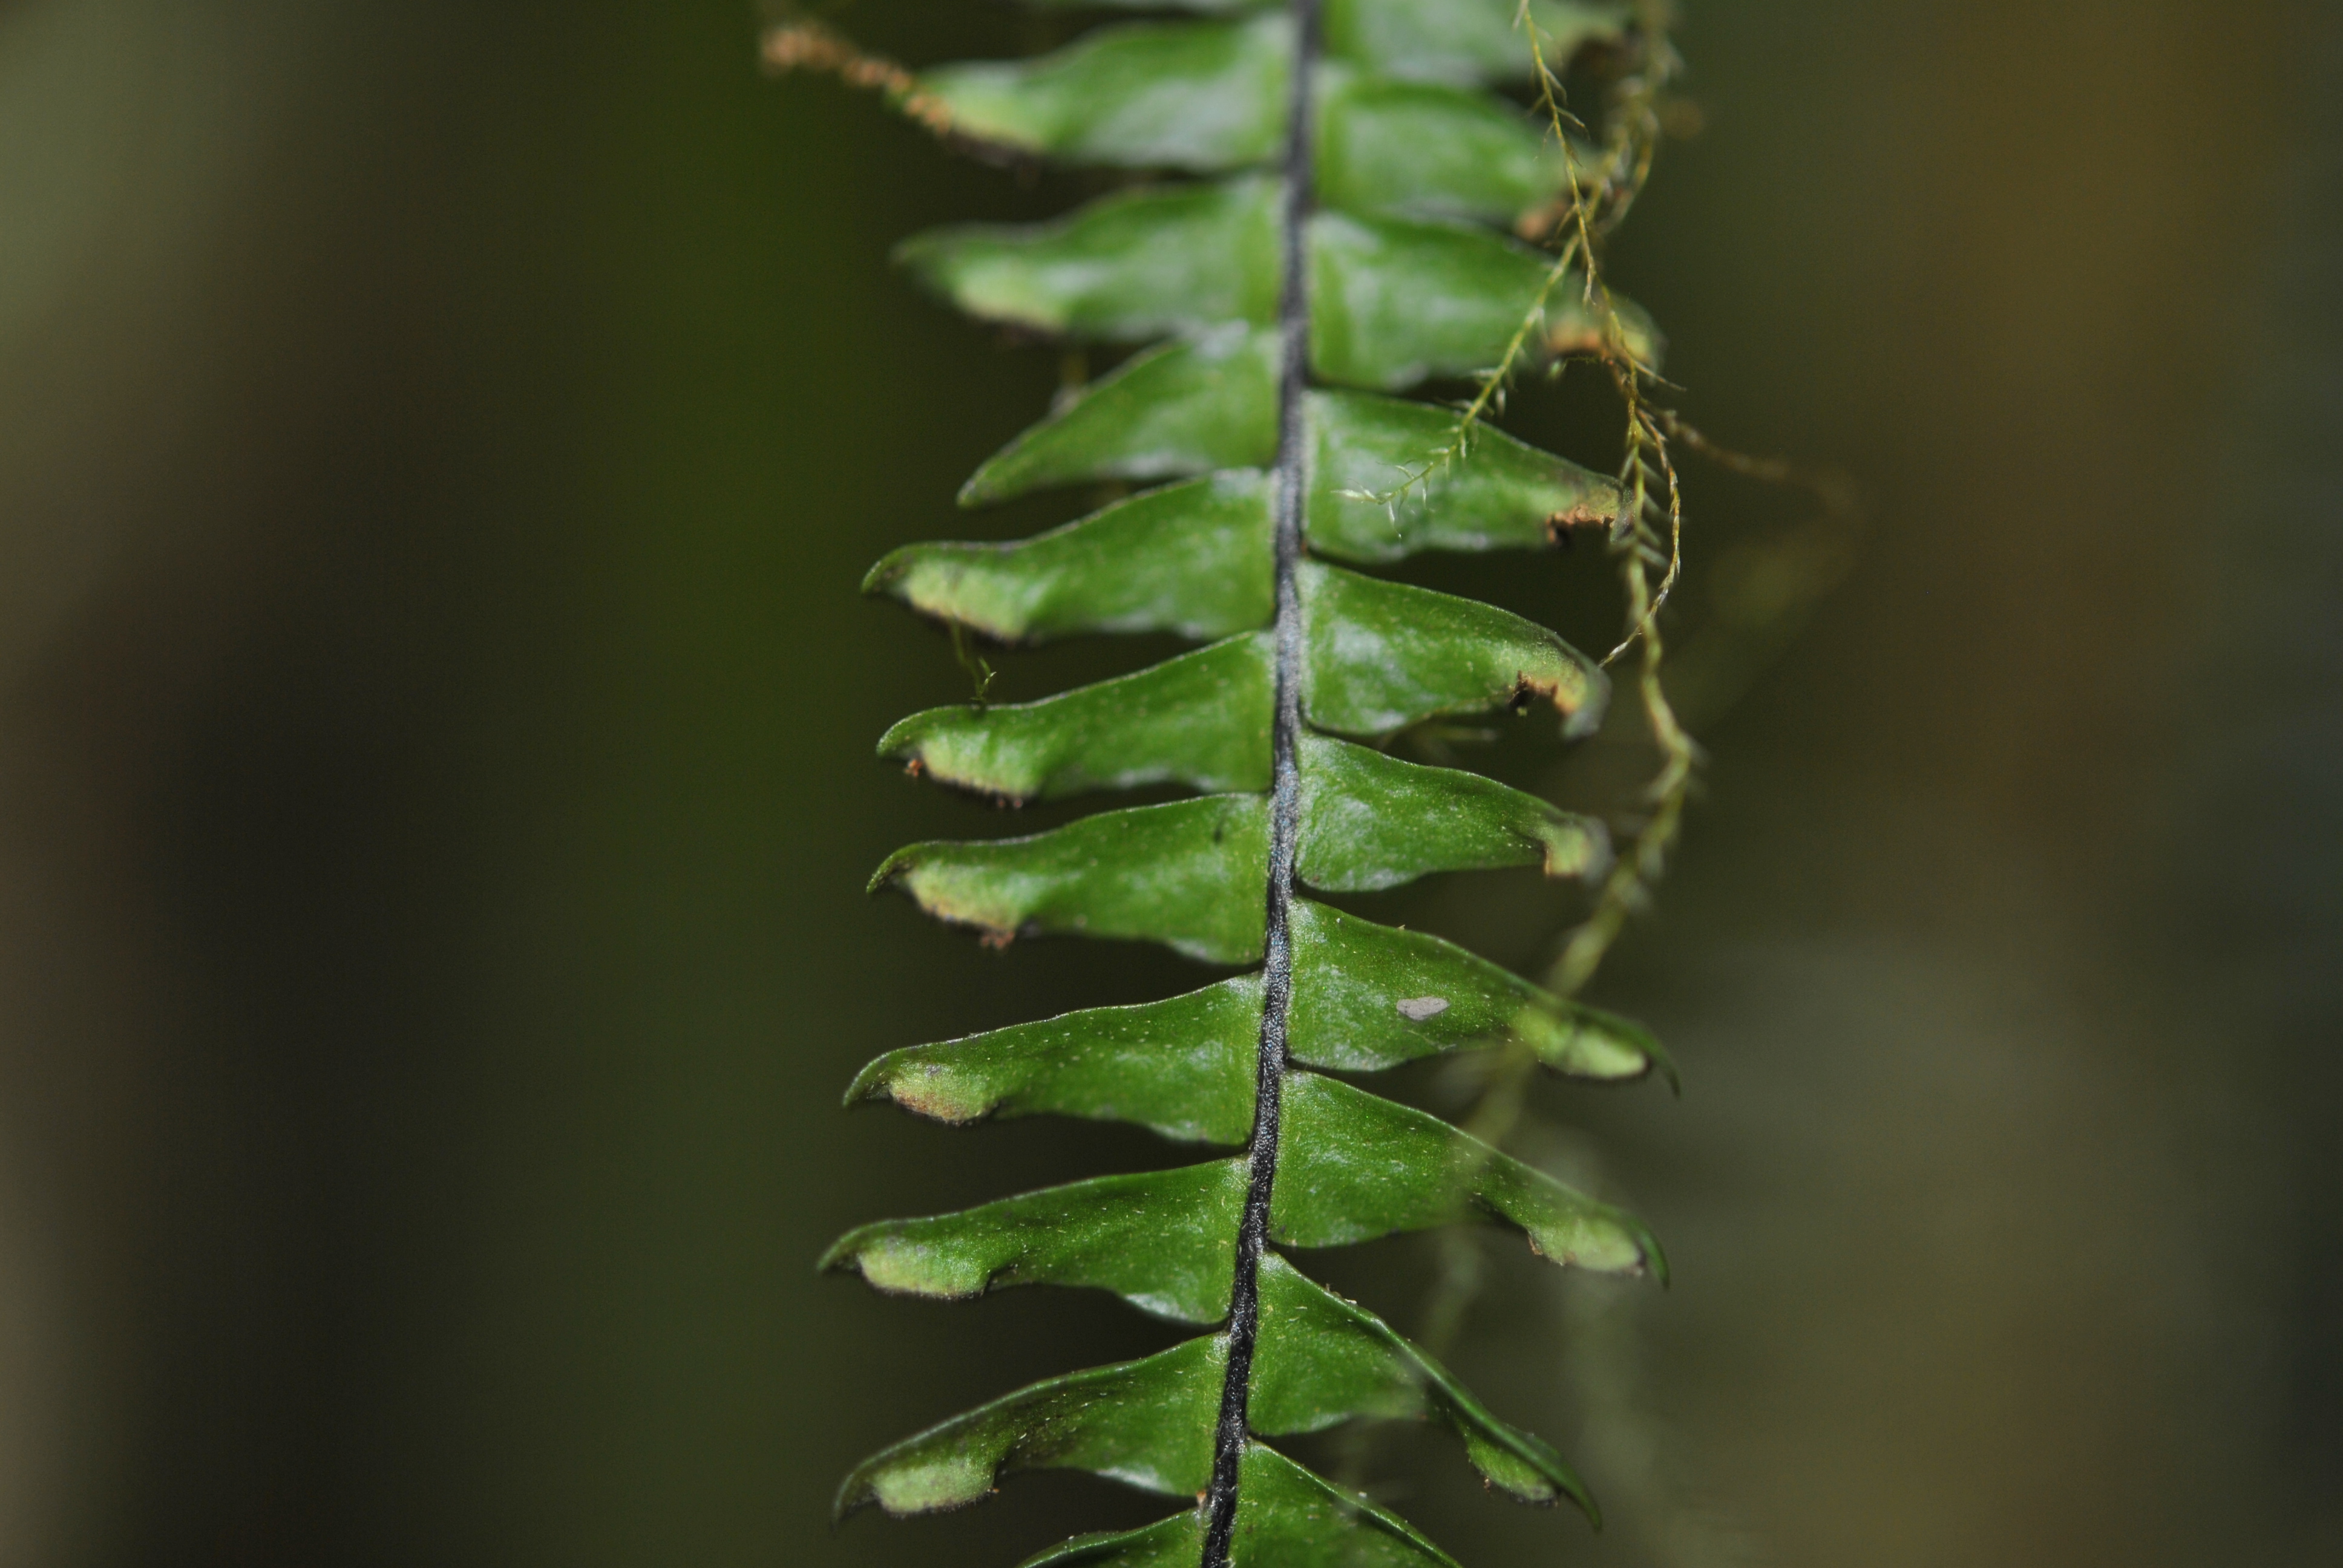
x: 1345, y: 234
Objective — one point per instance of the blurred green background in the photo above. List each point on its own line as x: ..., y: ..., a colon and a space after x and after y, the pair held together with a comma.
x: 439, y: 443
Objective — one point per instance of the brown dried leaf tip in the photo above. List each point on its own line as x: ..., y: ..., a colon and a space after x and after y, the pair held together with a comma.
x: 1584, y: 515
x: 808, y: 45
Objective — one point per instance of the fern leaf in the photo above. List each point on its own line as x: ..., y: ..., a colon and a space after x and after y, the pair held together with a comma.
x: 1138, y: 264
x: 1181, y: 1068
x: 1427, y: 150
x: 1367, y: 998
x: 1376, y: 657
x: 1200, y: 719
x: 1210, y: 404
x: 1171, y: 412
x: 1285, y: 1518
x: 1191, y: 558
x: 1464, y: 41
x: 1147, y: 1423
x: 1319, y: 1360
x: 1336, y: 251
x: 1198, y: 96
x: 1211, y: 97
x: 1165, y: 1241
x: 1371, y: 821
x: 1354, y: 1166
x: 1502, y: 494
x: 1176, y: 874
x: 1396, y: 300
x: 1458, y: 41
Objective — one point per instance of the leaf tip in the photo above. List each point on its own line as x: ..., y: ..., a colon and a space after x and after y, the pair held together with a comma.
x: 1560, y: 525
x: 888, y: 570
x: 853, y: 1496
x: 1655, y: 1258
x: 1577, y: 848
x: 870, y: 1083
x: 1581, y: 1041
x: 1584, y: 717
x: 895, y: 868
x: 915, y: 1080
x: 901, y: 741
x: 1665, y: 1065
x: 841, y: 1255
x: 981, y: 489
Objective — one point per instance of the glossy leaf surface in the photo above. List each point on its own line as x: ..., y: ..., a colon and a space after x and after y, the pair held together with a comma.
x: 1372, y: 822
x: 1182, y: 1067
x: 1200, y: 719
x: 1433, y: 151
x: 1500, y: 493
x: 1191, y: 558
x: 1176, y: 410
x: 1363, y: 1167
x: 1460, y: 41
x: 1286, y: 1518
x: 1319, y: 1360
x: 1134, y: 265
x: 1192, y: 95
x: 1186, y: 409
x: 1174, y: 874
x: 1383, y: 655
x: 1353, y: 1166
x: 1165, y: 1241
x: 1393, y: 134
x: 1396, y: 300
x: 1323, y: 1360
x: 1208, y: 7
x: 1148, y: 1424
x: 1411, y: 276
x: 1366, y: 998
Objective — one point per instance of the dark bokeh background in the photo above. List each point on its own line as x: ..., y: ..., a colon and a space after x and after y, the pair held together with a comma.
x: 438, y: 447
